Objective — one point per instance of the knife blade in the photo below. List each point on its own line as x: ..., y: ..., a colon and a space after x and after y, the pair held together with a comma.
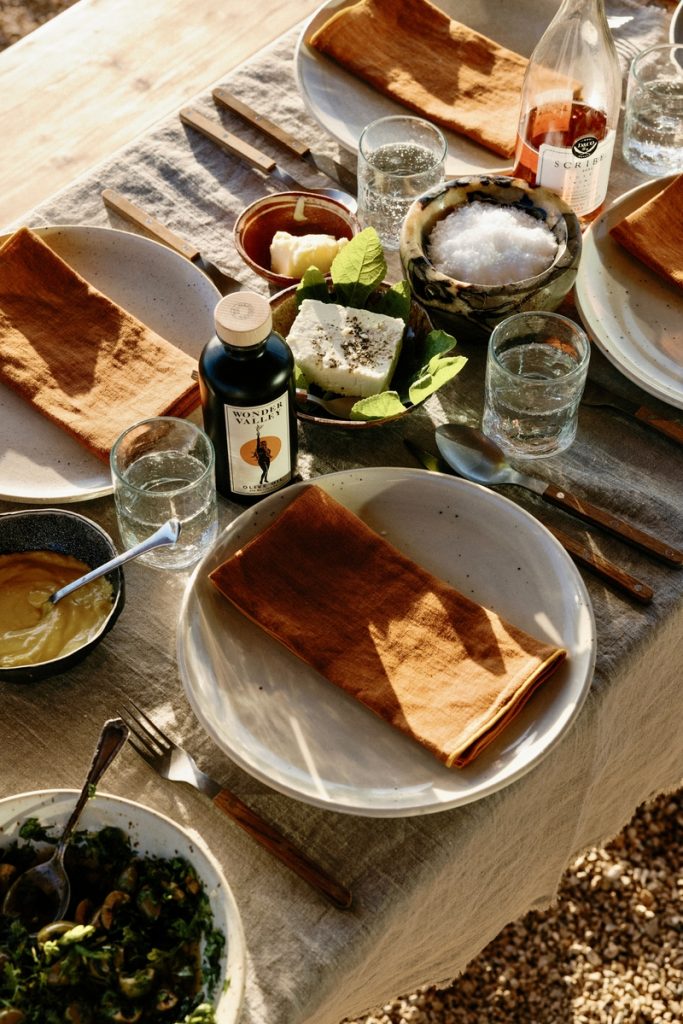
x: 154, y: 229
x: 601, y: 397
x: 320, y: 161
x: 591, y: 560
x: 237, y: 147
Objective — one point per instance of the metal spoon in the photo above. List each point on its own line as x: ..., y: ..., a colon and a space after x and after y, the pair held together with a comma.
x: 41, y: 894
x: 478, y: 458
x: 166, y: 534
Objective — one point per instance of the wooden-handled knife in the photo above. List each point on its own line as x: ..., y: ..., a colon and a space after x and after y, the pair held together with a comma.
x: 596, y: 395
x: 154, y: 229
x: 297, y: 147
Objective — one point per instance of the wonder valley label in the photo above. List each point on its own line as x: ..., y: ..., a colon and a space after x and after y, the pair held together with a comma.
x: 259, y: 456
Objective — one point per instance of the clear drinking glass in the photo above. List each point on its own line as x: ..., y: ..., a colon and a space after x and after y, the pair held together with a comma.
x: 536, y: 370
x: 163, y: 468
x: 399, y: 157
x: 653, y: 123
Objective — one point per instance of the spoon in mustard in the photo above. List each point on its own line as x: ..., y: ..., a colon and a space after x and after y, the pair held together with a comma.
x: 166, y: 534
x: 476, y: 457
x: 41, y: 895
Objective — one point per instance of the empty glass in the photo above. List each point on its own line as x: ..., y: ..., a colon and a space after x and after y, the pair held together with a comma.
x: 162, y: 468
x: 536, y: 370
x: 399, y: 157
x: 653, y: 123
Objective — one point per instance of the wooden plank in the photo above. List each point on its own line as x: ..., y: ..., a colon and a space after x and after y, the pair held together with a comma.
x: 91, y: 79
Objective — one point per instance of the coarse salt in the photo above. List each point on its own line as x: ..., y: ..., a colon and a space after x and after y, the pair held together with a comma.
x: 487, y: 244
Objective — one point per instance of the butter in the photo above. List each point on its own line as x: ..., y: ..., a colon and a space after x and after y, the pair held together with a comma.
x: 31, y: 629
x: 345, y: 350
x: 292, y: 255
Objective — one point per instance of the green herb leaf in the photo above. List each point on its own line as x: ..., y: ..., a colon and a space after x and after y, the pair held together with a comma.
x: 300, y: 380
x: 395, y: 301
x: 358, y: 268
x: 386, y: 403
x: 437, y: 343
x: 439, y: 370
x: 313, y: 285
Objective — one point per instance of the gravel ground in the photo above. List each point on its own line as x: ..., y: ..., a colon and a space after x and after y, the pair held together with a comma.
x: 609, y: 952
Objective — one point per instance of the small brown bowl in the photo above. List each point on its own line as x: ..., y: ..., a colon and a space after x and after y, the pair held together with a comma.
x: 284, y: 309
x: 258, y: 222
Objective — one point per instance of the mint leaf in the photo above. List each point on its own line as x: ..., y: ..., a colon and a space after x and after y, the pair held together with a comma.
x: 439, y: 370
x: 313, y: 285
x: 358, y: 268
x: 394, y: 302
x: 387, y: 403
x: 436, y: 343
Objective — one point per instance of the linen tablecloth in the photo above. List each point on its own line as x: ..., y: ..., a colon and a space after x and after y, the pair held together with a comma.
x: 430, y: 891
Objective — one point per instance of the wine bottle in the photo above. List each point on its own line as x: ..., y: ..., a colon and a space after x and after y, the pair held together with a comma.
x: 570, y: 108
x: 246, y: 382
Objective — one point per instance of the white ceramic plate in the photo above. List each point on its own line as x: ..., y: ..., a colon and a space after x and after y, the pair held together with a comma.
x: 632, y: 314
x: 41, y: 464
x: 295, y: 731
x: 344, y: 104
x: 155, y: 834
x: 676, y: 25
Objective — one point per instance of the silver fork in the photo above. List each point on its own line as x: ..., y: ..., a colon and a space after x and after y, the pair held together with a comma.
x: 174, y: 763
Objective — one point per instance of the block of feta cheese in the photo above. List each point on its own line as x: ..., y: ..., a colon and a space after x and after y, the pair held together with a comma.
x: 292, y: 255
x: 345, y: 350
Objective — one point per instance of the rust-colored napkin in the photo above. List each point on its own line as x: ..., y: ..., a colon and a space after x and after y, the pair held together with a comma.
x: 413, y: 52
x: 654, y: 232
x: 434, y: 664
x: 81, y: 360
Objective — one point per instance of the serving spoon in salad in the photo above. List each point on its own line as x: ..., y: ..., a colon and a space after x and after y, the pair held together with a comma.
x: 41, y: 895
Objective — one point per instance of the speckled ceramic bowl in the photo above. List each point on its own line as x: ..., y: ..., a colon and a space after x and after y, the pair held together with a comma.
x: 299, y: 213
x: 54, y: 529
x: 152, y: 834
x: 473, y: 310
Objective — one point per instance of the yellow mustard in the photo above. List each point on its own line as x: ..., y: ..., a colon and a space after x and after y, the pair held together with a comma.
x: 31, y: 629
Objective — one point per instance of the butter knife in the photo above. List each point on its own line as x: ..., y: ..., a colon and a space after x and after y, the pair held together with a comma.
x: 320, y: 161
x: 579, y: 552
x: 596, y: 395
x: 237, y: 147
x: 154, y: 229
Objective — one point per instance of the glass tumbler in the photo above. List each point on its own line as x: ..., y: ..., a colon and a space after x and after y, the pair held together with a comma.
x: 653, y: 122
x: 163, y: 468
x: 536, y: 371
x: 399, y: 157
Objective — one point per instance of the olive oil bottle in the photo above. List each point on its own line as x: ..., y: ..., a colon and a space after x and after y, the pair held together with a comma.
x: 246, y: 382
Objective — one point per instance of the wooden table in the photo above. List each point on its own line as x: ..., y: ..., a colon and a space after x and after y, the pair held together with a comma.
x: 91, y: 79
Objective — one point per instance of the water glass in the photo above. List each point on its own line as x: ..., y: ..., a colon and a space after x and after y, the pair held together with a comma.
x: 653, y: 124
x: 536, y: 370
x: 399, y: 157
x: 163, y: 468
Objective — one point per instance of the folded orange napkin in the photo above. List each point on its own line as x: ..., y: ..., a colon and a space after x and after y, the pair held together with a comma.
x: 434, y: 664
x: 77, y: 357
x: 654, y: 232
x: 413, y: 52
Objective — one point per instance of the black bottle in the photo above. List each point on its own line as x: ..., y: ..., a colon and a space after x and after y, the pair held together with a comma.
x: 246, y: 382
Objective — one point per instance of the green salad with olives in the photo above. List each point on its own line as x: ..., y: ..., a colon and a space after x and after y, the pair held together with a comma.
x: 138, y: 942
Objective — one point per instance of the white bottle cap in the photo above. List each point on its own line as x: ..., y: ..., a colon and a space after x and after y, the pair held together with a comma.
x: 243, y: 318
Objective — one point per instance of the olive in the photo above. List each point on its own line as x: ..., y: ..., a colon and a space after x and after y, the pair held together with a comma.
x: 115, y: 899
x: 128, y: 878
x: 166, y: 1000
x: 10, y: 1015
x: 54, y: 930
x: 138, y: 984
x: 149, y: 904
x: 7, y: 874
x: 83, y: 912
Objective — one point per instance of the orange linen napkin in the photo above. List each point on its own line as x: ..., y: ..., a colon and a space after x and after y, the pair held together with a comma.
x: 434, y: 664
x: 654, y: 232
x: 413, y: 52
x: 81, y: 360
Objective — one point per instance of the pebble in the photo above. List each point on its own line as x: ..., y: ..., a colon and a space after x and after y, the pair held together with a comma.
x: 607, y: 952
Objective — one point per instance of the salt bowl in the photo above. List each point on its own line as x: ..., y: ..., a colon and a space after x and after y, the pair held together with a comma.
x: 477, y: 249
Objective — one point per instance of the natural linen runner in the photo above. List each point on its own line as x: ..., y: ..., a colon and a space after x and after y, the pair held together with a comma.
x: 654, y: 232
x: 80, y: 359
x: 434, y: 664
x: 413, y: 52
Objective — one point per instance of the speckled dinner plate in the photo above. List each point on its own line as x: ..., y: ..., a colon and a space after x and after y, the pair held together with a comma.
x: 39, y: 463
x: 343, y: 104
x: 291, y: 728
x: 632, y: 314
